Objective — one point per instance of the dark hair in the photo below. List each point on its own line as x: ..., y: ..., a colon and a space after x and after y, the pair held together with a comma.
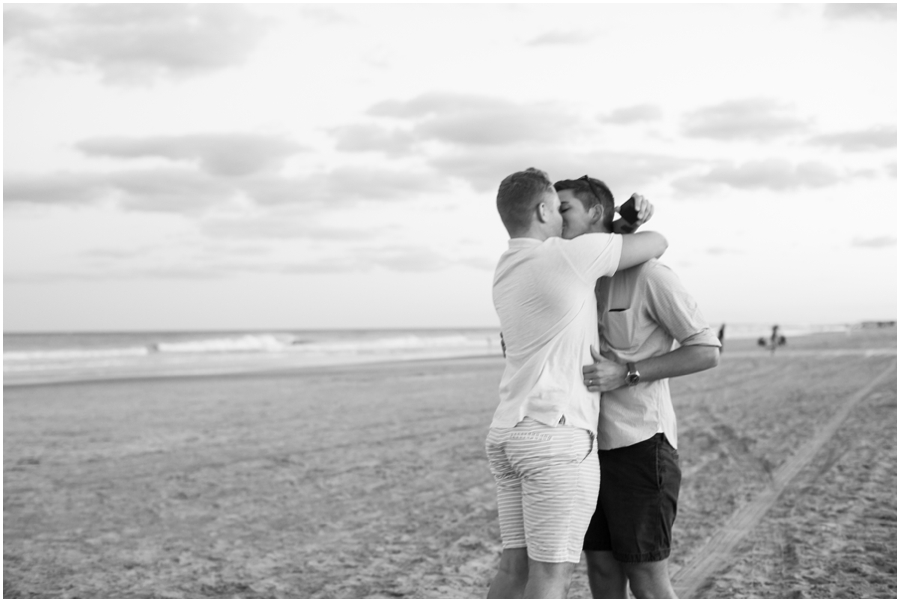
x: 591, y: 191
x: 518, y: 195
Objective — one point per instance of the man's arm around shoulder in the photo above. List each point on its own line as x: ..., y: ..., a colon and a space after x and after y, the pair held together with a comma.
x: 641, y: 247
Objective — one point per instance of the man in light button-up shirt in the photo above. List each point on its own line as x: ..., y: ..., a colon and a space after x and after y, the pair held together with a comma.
x: 642, y: 312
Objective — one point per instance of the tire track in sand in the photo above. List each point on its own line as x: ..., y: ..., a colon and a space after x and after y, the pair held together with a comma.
x: 706, y: 561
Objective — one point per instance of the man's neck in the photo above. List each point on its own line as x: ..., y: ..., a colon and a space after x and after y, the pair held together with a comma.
x: 533, y: 232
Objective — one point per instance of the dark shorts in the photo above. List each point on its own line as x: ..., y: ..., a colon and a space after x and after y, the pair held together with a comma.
x: 638, y: 501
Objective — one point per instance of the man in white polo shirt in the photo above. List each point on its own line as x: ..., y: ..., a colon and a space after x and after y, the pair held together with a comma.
x: 541, y: 443
x: 642, y: 312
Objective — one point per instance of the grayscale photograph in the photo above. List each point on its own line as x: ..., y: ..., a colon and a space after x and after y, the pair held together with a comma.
x: 449, y: 301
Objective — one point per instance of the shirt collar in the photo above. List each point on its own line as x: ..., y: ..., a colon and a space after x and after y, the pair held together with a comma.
x: 522, y: 243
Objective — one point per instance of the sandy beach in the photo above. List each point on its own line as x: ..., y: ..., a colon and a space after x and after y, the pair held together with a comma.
x: 371, y: 481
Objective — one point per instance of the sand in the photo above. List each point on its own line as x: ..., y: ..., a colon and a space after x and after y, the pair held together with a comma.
x: 371, y: 481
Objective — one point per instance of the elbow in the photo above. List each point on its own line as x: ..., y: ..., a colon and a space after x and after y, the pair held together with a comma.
x: 712, y: 359
x: 663, y: 245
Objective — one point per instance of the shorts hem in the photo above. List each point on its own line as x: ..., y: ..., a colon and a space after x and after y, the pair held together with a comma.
x: 554, y: 557
x: 646, y: 557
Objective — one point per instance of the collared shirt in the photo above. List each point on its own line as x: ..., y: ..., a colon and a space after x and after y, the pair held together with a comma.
x: 544, y: 296
x: 643, y: 310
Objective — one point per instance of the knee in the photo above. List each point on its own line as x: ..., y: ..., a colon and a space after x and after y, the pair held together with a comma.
x: 552, y: 570
x: 604, y: 566
x: 514, y: 563
x: 650, y: 580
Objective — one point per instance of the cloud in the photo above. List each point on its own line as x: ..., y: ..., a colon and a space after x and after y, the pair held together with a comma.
x: 190, y: 191
x: 768, y: 174
x: 371, y: 137
x: 479, y: 263
x: 635, y: 114
x: 120, y: 270
x: 167, y: 190
x: 436, y: 102
x: 472, y: 120
x: 499, y: 127
x: 18, y: 22
x: 58, y: 188
x: 873, y: 138
x: 878, y: 242
x: 406, y: 258
x: 325, y: 14
x: 344, y: 185
x: 136, y: 43
x: 218, y: 154
x: 624, y: 173
x: 753, y: 119
x: 891, y: 169
x: 878, y: 12
x: 351, y: 183
x: 280, y: 227
x: 561, y: 38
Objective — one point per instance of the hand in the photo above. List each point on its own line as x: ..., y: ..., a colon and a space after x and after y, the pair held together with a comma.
x: 644, y: 212
x: 604, y: 374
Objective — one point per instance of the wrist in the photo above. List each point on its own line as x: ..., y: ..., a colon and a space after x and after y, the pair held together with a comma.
x: 620, y: 226
x: 632, y: 374
x: 622, y: 376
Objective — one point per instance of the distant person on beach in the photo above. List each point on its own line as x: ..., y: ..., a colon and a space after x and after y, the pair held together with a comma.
x: 721, y: 338
x: 541, y: 442
x: 642, y: 312
x: 774, y: 341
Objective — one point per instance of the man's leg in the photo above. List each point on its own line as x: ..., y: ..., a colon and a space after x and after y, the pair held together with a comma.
x: 639, y: 498
x: 548, y: 579
x: 560, y: 481
x: 606, y: 575
x: 650, y: 579
x: 511, y: 576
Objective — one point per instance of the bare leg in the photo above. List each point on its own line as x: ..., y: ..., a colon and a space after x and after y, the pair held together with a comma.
x: 606, y: 576
x: 650, y: 579
x: 511, y: 576
x: 548, y: 579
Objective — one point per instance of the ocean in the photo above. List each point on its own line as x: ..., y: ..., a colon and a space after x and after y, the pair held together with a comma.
x: 31, y: 358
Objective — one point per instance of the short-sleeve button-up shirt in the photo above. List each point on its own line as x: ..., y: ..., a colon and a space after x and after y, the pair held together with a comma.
x: 642, y: 312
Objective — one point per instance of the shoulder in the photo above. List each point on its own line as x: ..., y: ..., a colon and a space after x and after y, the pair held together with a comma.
x: 660, y: 281
x: 591, y: 239
x: 587, y: 245
x: 656, y: 272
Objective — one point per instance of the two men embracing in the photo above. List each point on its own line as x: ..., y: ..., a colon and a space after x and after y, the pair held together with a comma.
x: 585, y: 309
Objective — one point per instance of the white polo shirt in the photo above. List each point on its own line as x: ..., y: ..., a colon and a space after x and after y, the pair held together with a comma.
x: 544, y: 296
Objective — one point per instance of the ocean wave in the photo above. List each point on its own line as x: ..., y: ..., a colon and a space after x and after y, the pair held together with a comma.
x: 250, y: 342
x: 73, y: 354
x: 256, y: 343
x: 402, y: 343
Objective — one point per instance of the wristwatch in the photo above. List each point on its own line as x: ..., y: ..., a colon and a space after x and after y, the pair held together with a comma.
x: 633, y: 377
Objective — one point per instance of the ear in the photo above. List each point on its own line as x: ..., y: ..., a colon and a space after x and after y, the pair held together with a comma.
x: 543, y: 212
x: 597, y: 217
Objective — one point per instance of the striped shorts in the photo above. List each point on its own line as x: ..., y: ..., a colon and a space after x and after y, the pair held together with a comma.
x: 547, y: 480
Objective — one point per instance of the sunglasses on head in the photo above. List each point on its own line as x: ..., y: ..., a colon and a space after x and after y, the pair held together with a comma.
x: 591, y: 185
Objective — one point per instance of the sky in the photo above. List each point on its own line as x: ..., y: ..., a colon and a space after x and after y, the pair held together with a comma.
x: 186, y: 167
